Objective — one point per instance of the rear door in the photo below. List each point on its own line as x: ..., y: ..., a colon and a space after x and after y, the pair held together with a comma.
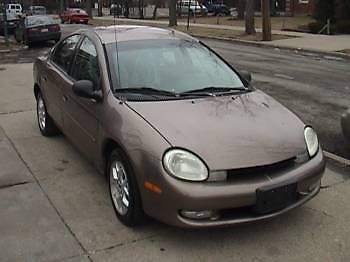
x: 81, y: 115
x: 57, y: 77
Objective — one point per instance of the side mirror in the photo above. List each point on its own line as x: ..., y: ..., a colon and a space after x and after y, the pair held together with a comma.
x: 246, y: 75
x: 85, y: 88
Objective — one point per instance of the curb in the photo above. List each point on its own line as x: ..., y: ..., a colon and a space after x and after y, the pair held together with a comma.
x: 325, y: 54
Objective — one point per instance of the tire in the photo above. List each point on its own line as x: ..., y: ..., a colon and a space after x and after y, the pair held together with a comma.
x: 123, y: 189
x: 46, y: 125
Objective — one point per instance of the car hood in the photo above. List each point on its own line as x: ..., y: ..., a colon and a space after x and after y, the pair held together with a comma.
x: 228, y: 132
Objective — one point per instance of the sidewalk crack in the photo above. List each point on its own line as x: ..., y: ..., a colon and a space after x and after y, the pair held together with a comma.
x: 15, y: 184
x: 85, y: 251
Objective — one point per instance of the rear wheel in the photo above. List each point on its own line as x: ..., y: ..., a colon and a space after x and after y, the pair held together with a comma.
x: 124, y: 190
x: 46, y: 125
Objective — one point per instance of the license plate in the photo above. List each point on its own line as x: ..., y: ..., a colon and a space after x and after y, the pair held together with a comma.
x: 81, y: 20
x: 269, y: 199
x: 44, y: 30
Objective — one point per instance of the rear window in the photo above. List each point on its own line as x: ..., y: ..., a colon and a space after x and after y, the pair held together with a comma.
x: 79, y: 12
x: 39, y: 20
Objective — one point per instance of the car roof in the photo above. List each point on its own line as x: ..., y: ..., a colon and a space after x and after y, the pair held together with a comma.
x: 121, y: 33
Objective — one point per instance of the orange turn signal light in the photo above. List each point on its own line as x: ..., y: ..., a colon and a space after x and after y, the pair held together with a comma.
x: 152, y: 187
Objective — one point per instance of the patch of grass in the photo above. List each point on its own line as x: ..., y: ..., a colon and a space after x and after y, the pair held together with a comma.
x: 277, y: 23
x: 200, y: 31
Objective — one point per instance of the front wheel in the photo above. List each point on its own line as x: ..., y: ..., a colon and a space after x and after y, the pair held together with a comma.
x: 124, y: 190
x: 46, y: 125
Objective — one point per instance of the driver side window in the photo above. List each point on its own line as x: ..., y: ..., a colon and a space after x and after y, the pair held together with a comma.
x: 63, y: 53
x: 85, y: 65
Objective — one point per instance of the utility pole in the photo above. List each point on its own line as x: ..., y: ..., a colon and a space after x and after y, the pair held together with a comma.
x: 266, y: 20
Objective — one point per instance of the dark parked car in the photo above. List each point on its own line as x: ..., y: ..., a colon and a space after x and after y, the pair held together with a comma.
x: 216, y: 7
x: 37, y: 10
x: 345, y: 124
x: 179, y: 133
x: 74, y: 16
x: 12, y: 21
x: 38, y: 28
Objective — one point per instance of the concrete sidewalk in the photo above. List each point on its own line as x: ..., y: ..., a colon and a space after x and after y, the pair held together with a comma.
x: 303, y: 41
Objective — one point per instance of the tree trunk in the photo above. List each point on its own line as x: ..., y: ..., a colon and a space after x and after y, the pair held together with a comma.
x: 141, y: 9
x: 172, y: 13
x: 157, y: 4
x: 249, y: 18
x: 89, y: 8
x: 266, y: 20
x: 126, y: 6
x: 240, y: 9
x: 100, y: 7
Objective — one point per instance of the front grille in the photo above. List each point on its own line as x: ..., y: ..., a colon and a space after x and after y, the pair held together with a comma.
x: 251, y: 172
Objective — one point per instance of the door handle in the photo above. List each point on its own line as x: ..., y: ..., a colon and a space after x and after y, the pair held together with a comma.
x: 64, y: 98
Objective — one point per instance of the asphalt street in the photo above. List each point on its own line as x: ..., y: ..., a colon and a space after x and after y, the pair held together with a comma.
x: 55, y: 207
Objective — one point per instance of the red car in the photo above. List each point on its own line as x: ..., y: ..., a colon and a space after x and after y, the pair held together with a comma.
x: 74, y: 15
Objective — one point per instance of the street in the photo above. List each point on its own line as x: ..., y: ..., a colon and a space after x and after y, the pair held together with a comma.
x: 55, y: 207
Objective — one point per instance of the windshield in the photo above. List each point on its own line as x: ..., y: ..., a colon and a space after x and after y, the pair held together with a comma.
x: 39, y: 20
x: 170, y: 65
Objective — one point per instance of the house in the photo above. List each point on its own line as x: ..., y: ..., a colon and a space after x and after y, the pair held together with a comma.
x: 289, y: 7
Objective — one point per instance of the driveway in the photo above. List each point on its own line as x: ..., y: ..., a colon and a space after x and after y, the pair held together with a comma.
x: 55, y: 207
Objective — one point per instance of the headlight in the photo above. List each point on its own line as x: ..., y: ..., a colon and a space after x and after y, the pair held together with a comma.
x: 184, y: 165
x: 311, y: 141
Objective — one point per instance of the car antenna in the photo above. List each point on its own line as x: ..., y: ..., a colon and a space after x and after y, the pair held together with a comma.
x: 115, y: 9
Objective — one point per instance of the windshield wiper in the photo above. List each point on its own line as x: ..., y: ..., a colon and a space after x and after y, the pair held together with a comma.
x: 145, y: 91
x: 214, y: 90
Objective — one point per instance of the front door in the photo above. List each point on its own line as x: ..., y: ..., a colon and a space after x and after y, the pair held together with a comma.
x: 81, y: 115
x: 57, y: 76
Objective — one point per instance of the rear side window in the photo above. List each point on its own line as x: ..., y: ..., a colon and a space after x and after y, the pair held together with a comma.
x: 64, y: 52
x: 85, y: 65
x: 39, y: 20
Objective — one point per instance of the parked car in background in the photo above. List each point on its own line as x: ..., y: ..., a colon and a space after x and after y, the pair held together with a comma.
x: 216, y: 7
x: 180, y: 134
x: 12, y: 21
x: 74, y: 15
x: 345, y: 124
x: 37, y: 28
x: 195, y: 8
x: 15, y: 9
x: 37, y: 10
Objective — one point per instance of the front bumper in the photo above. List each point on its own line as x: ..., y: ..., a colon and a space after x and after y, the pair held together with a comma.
x: 234, y: 200
x: 78, y: 20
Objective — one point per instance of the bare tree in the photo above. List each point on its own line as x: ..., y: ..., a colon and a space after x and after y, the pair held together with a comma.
x: 240, y: 9
x: 249, y: 18
x: 172, y: 13
x: 156, y: 6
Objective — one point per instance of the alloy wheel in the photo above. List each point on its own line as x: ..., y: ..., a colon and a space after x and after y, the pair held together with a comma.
x: 119, y: 187
x: 41, y: 113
